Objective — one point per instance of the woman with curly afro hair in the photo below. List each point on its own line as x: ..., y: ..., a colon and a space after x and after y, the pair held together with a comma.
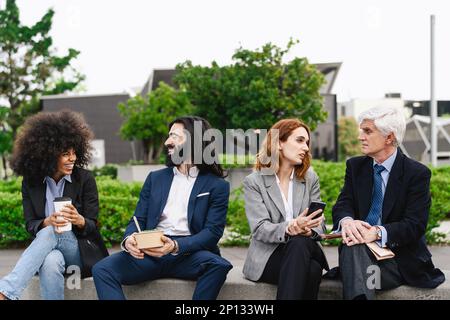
x: 50, y: 152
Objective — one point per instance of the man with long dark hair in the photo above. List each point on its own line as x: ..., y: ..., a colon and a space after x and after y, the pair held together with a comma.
x: 188, y: 201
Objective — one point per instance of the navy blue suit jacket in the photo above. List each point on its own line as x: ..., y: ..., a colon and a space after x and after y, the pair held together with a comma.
x: 405, y: 212
x: 206, y: 214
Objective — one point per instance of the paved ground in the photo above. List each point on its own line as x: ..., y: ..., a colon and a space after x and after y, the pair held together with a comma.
x: 441, y: 257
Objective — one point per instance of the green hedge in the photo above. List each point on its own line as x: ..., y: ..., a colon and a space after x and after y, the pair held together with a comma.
x: 118, y: 201
x: 108, y: 170
x: 12, y: 223
x: 331, y: 177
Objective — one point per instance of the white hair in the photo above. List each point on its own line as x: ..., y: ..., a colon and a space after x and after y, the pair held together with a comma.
x: 387, y: 120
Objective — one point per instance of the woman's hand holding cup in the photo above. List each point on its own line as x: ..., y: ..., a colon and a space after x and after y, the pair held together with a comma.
x: 55, y: 221
x: 70, y: 213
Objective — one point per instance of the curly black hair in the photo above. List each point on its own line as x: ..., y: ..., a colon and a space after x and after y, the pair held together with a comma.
x: 44, y: 137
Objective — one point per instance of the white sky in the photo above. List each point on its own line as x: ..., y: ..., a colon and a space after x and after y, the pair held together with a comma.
x: 384, y: 45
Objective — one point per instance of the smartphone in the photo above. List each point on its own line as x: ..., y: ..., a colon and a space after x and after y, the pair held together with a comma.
x: 316, y: 205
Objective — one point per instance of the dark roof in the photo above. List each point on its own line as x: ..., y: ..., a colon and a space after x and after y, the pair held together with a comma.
x: 84, y: 96
x: 158, y: 75
x: 330, y: 71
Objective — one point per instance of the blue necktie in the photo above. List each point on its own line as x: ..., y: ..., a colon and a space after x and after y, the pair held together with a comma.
x: 377, y: 197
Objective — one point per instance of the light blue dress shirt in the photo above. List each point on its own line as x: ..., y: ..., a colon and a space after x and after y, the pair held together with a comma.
x: 54, y: 190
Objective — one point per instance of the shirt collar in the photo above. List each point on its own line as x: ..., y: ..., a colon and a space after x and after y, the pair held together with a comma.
x: 389, y: 162
x: 193, y: 172
x: 290, y: 177
x: 67, y: 177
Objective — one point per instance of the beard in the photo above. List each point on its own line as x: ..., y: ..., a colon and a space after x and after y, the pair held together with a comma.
x: 175, y: 155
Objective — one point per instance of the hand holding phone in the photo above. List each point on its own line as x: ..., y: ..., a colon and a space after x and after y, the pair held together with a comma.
x: 316, y: 205
x: 307, y: 220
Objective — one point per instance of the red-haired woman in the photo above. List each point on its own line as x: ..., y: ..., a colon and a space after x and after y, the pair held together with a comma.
x: 284, y: 248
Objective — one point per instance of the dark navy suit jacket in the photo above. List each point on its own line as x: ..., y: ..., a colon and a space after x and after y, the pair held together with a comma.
x: 206, y: 214
x: 405, y: 212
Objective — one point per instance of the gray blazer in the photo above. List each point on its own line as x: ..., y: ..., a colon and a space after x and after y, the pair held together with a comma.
x: 266, y: 215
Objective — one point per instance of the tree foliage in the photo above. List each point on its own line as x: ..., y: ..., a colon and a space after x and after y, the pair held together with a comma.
x: 256, y: 90
x: 349, y: 145
x: 147, y: 118
x: 29, y: 67
x: 5, y: 139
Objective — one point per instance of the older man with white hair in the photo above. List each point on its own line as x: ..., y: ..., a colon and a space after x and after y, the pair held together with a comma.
x: 386, y: 200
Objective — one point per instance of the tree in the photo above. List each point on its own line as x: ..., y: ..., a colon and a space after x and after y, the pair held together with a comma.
x: 349, y: 145
x: 5, y: 138
x: 29, y: 67
x: 256, y: 90
x: 147, y: 119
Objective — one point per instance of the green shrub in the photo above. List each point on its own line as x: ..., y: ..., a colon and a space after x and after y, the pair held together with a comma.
x: 237, y: 232
x: 114, y: 214
x: 233, y: 161
x: 108, y: 170
x: 135, y: 162
x: 12, y: 223
x: 440, y: 201
x: 118, y: 201
x: 331, y: 177
x: 13, y: 185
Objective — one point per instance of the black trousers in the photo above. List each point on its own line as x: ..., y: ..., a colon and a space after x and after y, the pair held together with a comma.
x: 296, y: 267
x: 362, y: 275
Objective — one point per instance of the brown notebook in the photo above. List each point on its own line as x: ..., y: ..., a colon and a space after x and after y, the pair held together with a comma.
x: 330, y: 236
x: 380, y: 253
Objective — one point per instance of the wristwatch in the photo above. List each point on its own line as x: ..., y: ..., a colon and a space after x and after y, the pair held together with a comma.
x: 378, y: 233
x: 175, y: 248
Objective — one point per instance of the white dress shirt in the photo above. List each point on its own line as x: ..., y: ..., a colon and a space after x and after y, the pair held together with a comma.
x: 288, y: 203
x: 174, y: 218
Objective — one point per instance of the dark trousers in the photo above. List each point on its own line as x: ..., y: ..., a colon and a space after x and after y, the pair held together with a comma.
x: 362, y: 274
x: 210, y: 271
x: 296, y: 267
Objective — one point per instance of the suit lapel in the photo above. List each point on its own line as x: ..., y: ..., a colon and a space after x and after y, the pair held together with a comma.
x: 37, y: 195
x: 298, y: 194
x: 166, y: 183
x: 71, y: 189
x: 196, y: 189
x: 274, y: 193
x: 394, y: 183
x: 364, y: 188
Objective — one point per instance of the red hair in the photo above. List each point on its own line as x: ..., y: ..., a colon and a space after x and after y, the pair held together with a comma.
x: 269, y: 150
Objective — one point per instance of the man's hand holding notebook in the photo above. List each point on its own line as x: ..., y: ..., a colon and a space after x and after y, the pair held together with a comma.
x: 379, y: 252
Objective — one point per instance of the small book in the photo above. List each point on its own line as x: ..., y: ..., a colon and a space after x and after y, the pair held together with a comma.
x: 379, y: 252
x: 330, y: 236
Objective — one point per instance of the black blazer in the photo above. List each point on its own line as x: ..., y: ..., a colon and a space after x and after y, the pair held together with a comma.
x: 84, y: 195
x: 405, y: 213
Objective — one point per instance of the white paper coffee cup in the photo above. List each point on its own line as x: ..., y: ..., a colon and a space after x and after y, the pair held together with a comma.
x: 59, y: 203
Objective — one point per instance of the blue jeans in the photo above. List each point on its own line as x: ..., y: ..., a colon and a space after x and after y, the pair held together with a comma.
x: 48, y: 254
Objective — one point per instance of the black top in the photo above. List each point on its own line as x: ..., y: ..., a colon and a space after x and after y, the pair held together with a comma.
x: 82, y: 191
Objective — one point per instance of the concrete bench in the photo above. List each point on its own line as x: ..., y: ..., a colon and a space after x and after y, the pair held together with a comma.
x: 235, y: 288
